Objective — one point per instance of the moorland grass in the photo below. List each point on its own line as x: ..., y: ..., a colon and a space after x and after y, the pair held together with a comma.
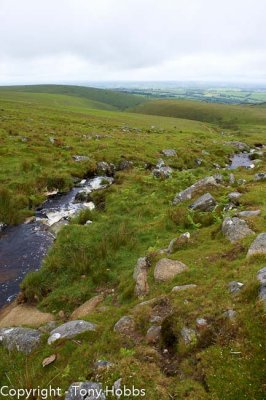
x: 137, y: 218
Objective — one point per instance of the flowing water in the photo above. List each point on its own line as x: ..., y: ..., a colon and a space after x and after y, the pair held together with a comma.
x: 241, y: 160
x: 23, y: 247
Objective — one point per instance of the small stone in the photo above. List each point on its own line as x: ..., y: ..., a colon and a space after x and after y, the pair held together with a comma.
x: 169, y: 153
x: 80, y: 158
x: 232, y: 179
x: 230, y: 314
x: 204, y: 203
x: 260, y: 176
x: 125, y: 165
x: 188, y: 336
x: 125, y: 326
x: 104, y: 168
x: 201, y: 323
x: 117, y: 387
x: 183, y: 287
x: 178, y: 242
x: 234, y: 197
x: 235, y: 287
x: 102, y: 365
x: 247, y: 214
x: 140, y: 277
x: 167, y: 269
x: 153, y: 334
x: 85, y: 391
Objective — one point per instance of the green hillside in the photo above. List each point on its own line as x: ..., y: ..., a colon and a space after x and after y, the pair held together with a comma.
x: 120, y: 101
x: 200, y: 342
x: 221, y: 114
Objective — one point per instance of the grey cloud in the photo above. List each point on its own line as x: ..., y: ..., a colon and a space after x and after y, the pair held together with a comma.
x: 130, y: 38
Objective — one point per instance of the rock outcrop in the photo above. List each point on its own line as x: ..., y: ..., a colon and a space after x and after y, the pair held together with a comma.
x: 167, y: 269
x: 105, y: 168
x: 70, y: 329
x: 140, y: 277
x: 258, y: 246
x: 153, y: 334
x: 178, y: 242
x: 125, y: 326
x: 20, y: 339
x: 209, y: 181
x: 235, y: 229
x: 161, y: 170
x: 204, y: 203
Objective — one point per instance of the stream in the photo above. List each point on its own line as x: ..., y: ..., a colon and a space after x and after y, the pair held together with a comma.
x: 24, y: 246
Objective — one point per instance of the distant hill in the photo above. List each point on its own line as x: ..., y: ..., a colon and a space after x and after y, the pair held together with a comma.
x: 98, y: 98
x: 222, y: 114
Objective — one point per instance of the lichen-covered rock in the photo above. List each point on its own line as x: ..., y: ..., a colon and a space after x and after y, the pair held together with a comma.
x: 261, y: 176
x: 247, y: 214
x: 24, y: 340
x: 70, y: 329
x: 125, y: 165
x: 101, y: 365
x: 80, y: 158
x: 204, y: 203
x: 201, y: 323
x: 169, y: 153
x: 258, y: 246
x: 183, y: 287
x: 85, y: 391
x: 235, y: 229
x: 104, y: 168
x: 187, y: 194
x: 189, y: 336
x: 153, y: 334
x: 125, y: 326
x: 178, y: 242
x: 235, y: 287
x: 167, y: 269
x: 140, y: 277
x: 234, y: 197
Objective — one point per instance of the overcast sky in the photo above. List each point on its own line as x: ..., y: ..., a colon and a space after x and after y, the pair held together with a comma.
x: 86, y: 40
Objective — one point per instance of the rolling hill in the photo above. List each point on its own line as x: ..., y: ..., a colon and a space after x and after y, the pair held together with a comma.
x: 91, y: 97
